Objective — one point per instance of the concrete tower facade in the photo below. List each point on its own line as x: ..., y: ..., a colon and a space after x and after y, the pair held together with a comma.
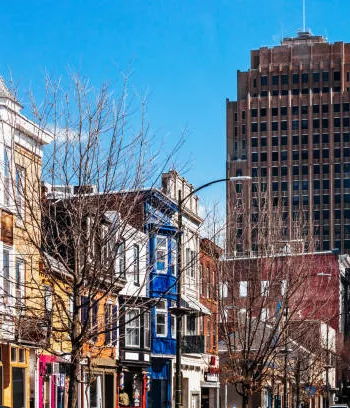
x: 290, y: 131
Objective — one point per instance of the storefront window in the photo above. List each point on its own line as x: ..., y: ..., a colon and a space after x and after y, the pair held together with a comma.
x: 95, y: 392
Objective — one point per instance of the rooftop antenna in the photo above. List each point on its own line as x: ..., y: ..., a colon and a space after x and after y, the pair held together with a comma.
x: 304, y: 18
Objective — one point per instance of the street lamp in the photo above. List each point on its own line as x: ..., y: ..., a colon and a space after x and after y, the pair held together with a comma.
x: 180, y: 311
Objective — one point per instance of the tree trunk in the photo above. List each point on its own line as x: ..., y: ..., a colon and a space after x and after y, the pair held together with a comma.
x: 245, y: 395
x: 73, y: 385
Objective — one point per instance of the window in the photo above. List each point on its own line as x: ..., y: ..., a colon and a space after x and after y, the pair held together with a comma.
x: 20, y: 189
x: 316, y: 77
x: 264, y: 288
x: 284, y: 125
x: 208, y: 282
x: 121, y: 259
x: 19, y: 283
x: 111, y: 323
x: 136, y: 264
x: 190, y: 262
x: 254, y: 113
x: 146, y: 330
x: 305, y: 139
x: 295, y: 110
x: 284, y: 110
x: 284, y: 155
x: 304, y: 110
x: 132, y: 328
x: 284, y: 79
x: 254, y: 127
x: 173, y: 325
x: 263, y: 126
x: 264, y: 80
x: 295, y: 124
x: 295, y: 78
x: 283, y: 287
x: 161, y: 318
x: 6, y: 272
x: 325, y: 76
x: 173, y: 254
x: 264, y: 314
x: 190, y: 325
x: 7, y: 176
x: 304, y: 78
x: 284, y: 171
x: 275, y: 80
x: 243, y: 288
x: 48, y: 298
x: 304, y: 124
x: 162, y: 254
x: 336, y: 76
x: 223, y: 290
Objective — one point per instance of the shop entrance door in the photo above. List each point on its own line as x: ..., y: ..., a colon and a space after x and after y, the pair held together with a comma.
x: 18, y: 387
x: 159, y: 394
x: 109, y: 391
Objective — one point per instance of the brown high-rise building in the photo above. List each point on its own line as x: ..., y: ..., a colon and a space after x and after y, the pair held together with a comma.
x: 290, y: 131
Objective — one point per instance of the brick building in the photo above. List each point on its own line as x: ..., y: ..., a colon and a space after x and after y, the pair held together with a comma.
x: 209, y: 258
x: 289, y: 129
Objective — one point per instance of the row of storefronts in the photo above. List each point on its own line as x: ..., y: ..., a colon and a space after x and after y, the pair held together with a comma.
x: 34, y: 380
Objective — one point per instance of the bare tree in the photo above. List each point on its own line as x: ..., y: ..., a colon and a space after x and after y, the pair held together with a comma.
x: 263, y: 294
x: 82, y: 223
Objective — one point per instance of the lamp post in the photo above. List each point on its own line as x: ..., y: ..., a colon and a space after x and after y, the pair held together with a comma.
x: 180, y: 311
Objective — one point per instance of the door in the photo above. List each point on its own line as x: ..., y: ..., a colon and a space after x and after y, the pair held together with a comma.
x: 109, y: 391
x: 158, y: 394
x: 18, y: 387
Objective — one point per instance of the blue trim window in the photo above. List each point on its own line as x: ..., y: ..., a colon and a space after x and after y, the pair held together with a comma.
x: 162, y: 254
x: 161, y: 319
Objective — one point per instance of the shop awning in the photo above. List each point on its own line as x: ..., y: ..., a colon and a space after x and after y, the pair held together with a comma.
x: 193, y: 304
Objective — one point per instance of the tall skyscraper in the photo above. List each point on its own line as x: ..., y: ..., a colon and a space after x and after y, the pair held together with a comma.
x: 290, y: 131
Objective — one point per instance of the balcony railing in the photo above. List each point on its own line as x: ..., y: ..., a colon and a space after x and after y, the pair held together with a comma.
x: 193, y: 344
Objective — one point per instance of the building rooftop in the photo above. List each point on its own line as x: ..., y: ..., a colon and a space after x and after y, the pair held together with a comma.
x: 303, y: 37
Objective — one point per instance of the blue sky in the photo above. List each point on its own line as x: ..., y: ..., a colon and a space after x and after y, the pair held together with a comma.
x: 184, y: 53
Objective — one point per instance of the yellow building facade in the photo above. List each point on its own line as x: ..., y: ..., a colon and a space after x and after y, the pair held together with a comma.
x: 21, y: 143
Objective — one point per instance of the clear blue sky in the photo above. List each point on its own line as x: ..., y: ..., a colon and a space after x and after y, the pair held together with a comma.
x: 185, y: 52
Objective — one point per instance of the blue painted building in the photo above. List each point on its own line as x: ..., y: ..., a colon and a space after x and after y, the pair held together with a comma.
x: 159, y: 210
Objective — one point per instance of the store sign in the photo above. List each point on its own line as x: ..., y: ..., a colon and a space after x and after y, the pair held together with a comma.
x: 211, y: 377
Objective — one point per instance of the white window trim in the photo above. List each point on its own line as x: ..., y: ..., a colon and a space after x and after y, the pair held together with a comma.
x: 264, y: 288
x: 165, y: 249
x: 162, y: 311
x: 139, y: 328
x: 147, y: 318
x: 243, y: 289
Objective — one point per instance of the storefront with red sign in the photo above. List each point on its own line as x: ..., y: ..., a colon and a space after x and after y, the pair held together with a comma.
x: 210, y: 387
